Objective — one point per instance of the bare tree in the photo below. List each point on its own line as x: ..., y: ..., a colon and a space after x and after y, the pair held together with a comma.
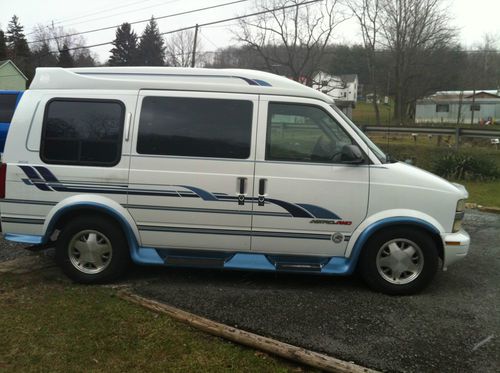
x: 367, y: 13
x: 50, y: 40
x: 179, y: 49
x: 291, y: 39
x: 411, y: 29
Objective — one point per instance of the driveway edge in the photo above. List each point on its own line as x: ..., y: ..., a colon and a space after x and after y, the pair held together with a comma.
x: 275, y: 347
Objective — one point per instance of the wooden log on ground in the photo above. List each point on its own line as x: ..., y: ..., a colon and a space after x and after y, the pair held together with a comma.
x: 256, y: 341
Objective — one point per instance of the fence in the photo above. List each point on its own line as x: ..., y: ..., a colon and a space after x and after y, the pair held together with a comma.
x: 456, y: 132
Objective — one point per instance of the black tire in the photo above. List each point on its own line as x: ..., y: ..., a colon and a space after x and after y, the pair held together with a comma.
x: 375, y: 280
x: 115, y: 265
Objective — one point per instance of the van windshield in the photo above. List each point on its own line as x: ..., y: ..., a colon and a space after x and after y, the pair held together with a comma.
x: 374, y: 148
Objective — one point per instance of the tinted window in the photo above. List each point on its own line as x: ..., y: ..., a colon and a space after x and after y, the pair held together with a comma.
x: 82, y: 132
x: 303, y: 133
x: 7, y: 107
x: 195, y: 127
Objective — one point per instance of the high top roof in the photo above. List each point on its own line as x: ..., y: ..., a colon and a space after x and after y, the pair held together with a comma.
x: 172, y: 78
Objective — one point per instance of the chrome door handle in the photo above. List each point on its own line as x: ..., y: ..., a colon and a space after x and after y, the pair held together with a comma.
x: 241, y: 192
x: 262, y: 192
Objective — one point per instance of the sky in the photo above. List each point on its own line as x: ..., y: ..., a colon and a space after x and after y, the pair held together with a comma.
x: 474, y: 19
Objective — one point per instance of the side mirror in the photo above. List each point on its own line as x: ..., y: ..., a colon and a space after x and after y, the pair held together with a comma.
x: 351, y: 154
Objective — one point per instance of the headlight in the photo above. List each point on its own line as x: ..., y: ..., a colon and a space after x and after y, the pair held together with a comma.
x: 459, y: 215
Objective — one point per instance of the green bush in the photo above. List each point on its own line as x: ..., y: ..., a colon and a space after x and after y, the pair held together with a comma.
x: 460, y: 166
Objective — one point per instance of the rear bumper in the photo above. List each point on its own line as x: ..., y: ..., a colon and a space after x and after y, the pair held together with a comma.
x: 456, y: 246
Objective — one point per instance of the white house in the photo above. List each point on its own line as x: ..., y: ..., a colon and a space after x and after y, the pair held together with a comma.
x: 459, y: 106
x: 343, y: 89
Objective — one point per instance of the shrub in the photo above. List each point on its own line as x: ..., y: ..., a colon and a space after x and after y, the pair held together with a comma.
x: 459, y: 166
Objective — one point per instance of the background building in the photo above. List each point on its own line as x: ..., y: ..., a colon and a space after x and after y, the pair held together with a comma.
x: 483, y: 107
x: 342, y: 88
x: 11, y: 78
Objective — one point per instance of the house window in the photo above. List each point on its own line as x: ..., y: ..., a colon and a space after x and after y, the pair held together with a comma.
x: 442, y: 108
x: 475, y: 107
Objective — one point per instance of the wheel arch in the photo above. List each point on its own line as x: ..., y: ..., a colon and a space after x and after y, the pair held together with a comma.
x: 364, y: 234
x: 77, y: 205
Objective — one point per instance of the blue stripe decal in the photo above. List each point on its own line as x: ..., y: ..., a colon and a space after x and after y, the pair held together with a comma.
x: 319, y: 212
x: 45, y: 180
x: 235, y: 232
x: 206, y: 196
x: 296, y: 211
x: 46, y: 174
x: 262, y: 83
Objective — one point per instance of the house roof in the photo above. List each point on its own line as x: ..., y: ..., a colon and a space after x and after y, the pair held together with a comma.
x: 484, y: 94
x: 4, y: 62
x: 349, y: 78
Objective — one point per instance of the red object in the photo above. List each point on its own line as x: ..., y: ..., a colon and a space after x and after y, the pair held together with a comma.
x: 3, y: 177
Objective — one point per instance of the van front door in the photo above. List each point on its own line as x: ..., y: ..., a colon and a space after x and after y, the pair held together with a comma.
x: 191, y: 171
x: 309, y: 202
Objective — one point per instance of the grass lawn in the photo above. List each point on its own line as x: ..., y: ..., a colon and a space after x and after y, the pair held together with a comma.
x: 486, y: 194
x: 49, y: 324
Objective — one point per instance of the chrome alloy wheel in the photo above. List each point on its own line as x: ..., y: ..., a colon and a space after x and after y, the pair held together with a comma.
x: 90, y: 251
x: 400, y: 261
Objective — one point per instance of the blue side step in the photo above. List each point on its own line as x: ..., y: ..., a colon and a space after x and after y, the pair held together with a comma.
x: 242, y: 261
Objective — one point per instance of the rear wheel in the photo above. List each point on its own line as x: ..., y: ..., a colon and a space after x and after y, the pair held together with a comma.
x: 92, y: 249
x: 399, y: 261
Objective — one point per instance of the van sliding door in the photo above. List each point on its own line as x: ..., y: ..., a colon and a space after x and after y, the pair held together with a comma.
x: 191, y: 172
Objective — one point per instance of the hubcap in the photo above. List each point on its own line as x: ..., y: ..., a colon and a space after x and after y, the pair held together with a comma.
x: 400, y: 261
x: 90, y: 251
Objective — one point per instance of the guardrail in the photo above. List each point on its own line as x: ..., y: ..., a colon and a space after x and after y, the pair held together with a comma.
x: 456, y: 132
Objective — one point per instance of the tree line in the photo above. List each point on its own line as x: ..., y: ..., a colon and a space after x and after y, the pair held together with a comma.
x: 408, y: 48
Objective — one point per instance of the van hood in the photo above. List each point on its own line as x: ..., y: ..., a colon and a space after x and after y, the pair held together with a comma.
x: 416, y: 177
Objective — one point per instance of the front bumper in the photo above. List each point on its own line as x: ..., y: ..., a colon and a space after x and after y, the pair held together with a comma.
x: 456, y: 246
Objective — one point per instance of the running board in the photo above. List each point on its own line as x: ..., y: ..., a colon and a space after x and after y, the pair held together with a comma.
x: 299, y: 267
x: 243, y: 261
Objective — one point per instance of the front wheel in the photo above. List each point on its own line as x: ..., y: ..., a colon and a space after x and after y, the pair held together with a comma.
x: 92, y: 249
x: 399, y: 261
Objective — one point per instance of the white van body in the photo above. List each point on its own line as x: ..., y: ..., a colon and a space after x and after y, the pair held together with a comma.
x: 240, y: 198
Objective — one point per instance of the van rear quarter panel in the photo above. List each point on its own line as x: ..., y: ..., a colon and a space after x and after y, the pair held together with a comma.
x: 27, y: 204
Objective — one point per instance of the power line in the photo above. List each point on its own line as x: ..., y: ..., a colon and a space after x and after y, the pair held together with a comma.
x: 241, y: 17
x: 202, y: 24
x: 64, y: 20
x: 118, y: 14
x: 107, y: 9
x: 141, y: 21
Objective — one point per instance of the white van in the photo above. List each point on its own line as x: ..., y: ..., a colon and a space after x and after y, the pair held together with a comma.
x: 234, y: 169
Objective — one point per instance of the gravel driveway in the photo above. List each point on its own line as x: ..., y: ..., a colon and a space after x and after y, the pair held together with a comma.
x: 453, y: 326
x: 440, y: 329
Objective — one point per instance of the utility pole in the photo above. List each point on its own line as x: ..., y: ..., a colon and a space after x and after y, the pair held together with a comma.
x: 193, y: 57
x: 473, y: 107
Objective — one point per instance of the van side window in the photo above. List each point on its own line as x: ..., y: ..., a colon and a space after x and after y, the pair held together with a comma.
x: 82, y: 132
x: 303, y: 133
x: 195, y: 127
x: 7, y: 107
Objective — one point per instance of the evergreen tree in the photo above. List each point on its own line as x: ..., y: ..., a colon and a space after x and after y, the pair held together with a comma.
x: 65, y: 59
x: 42, y: 56
x: 151, y: 46
x: 125, y: 50
x: 3, y: 46
x: 17, y: 46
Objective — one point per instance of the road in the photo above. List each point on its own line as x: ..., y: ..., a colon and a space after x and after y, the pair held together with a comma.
x: 453, y: 326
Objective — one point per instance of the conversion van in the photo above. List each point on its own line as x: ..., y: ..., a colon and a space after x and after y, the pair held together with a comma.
x: 233, y: 169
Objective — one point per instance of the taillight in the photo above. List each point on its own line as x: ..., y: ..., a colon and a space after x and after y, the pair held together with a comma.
x: 3, y: 179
